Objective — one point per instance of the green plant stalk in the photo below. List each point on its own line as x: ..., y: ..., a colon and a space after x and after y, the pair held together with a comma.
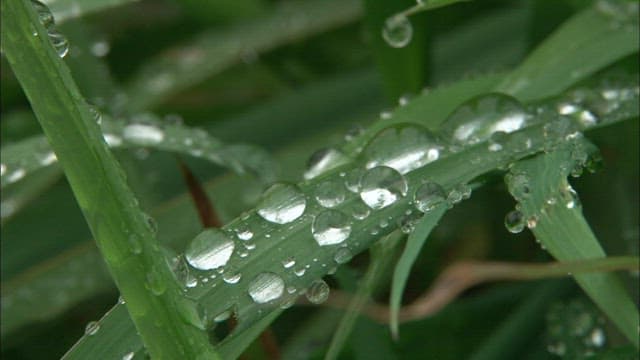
x: 120, y: 228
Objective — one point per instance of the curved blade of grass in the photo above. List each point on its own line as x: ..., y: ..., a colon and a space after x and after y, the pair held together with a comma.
x: 416, y: 240
x: 565, y: 233
x: 68, y: 9
x: 559, y: 61
x: 267, y: 256
x: 214, y: 51
x: 382, y: 255
x: 109, y: 206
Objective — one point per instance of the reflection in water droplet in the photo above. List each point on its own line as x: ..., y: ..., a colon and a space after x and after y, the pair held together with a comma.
x: 330, y: 194
x: 266, y: 287
x: 514, y: 221
x: 282, y: 203
x: 330, y: 227
x: 318, y: 292
x: 397, y: 31
x: 143, y: 134
x: 211, y: 249
x: 403, y: 148
x: 428, y: 196
x: 382, y: 186
x: 477, y: 119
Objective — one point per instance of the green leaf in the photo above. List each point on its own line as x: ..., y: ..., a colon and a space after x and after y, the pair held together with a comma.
x: 556, y: 219
x: 416, y: 240
x: 559, y: 62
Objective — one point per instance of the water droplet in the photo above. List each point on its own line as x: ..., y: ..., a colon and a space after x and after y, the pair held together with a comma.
x: 222, y: 316
x: 155, y: 283
x: 428, y: 196
x: 532, y: 221
x: 403, y: 148
x: 386, y: 115
x: 360, y: 211
x: 570, y: 197
x: 318, y: 292
x: 324, y: 160
x: 342, y: 255
x: 404, y: 99
x: 3, y: 169
x: 135, y: 245
x: 143, y: 134
x: 59, y: 42
x: 330, y: 194
x: 244, y: 233
x: 112, y: 140
x: 330, y: 227
x: 128, y: 356
x: 397, y: 31
x: 92, y: 328
x: 44, y: 14
x: 282, y: 203
x: 382, y: 186
x: 266, y: 287
x: 352, y: 180
x: 211, y: 249
x: 518, y: 185
x: 231, y: 277
x: 48, y: 159
x: 477, y: 119
x: 288, y: 262
x: 514, y: 221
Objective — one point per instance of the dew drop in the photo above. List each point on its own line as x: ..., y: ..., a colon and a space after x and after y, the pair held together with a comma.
x: 231, y: 277
x: 532, y: 222
x: 282, y: 203
x: 518, y: 185
x: 342, y: 255
x: 266, y: 287
x: 324, y: 160
x: 597, y: 338
x: 330, y: 194
x: 360, y: 211
x: 477, y: 119
x: 211, y: 249
x: 570, y: 197
x: 92, y: 328
x: 352, y: 180
x: 44, y: 14
x: 300, y: 271
x: 330, y: 227
x: 403, y: 148
x: 143, y: 134
x: 428, y: 196
x: 128, y: 356
x: 397, y: 31
x: 288, y: 262
x: 112, y: 140
x: 135, y: 245
x: 382, y: 186
x: 244, y: 233
x: 59, y: 42
x: 155, y: 283
x: 318, y: 292
x: 514, y: 221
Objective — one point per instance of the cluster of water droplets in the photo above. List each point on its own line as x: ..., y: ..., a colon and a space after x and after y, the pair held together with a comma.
x: 59, y: 41
x: 575, y: 329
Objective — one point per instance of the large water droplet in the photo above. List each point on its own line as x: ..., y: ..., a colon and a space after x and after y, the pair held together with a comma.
x: 318, y: 292
x: 331, y: 227
x: 266, y: 287
x: 282, y: 203
x: 382, y: 186
x: 428, y: 196
x: 92, y: 328
x: 514, y: 221
x: 143, y: 134
x: 477, y: 119
x: 211, y: 249
x: 404, y: 148
x: 324, y: 160
x: 330, y: 194
x: 397, y: 31
x: 44, y: 14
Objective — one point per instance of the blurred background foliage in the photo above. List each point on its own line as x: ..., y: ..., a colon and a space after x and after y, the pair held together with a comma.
x: 292, y: 93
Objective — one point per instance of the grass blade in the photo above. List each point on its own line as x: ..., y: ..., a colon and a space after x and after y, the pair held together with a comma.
x: 69, y: 9
x: 561, y: 228
x: 560, y: 61
x: 109, y: 206
x: 416, y: 240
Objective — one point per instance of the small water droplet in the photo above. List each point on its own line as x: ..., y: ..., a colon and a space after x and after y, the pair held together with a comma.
x: 300, y: 271
x: 352, y: 180
x: 92, y: 328
x: 44, y: 14
x: 597, y: 338
x: 397, y: 31
x: 382, y: 186
x: 59, y: 42
x: 342, y: 255
x: 266, y: 287
x: 48, y: 159
x: 282, y: 203
x: 532, y: 221
x: 155, y: 283
x: 135, y: 245
x: 143, y: 134
x: 318, y: 292
x: 231, y: 277
x: 330, y: 194
x: 330, y: 227
x: 288, y: 262
x: 222, y: 316
x: 428, y: 196
x: 211, y: 249
x: 570, y: 197
x: 244, y: 233
x: 514, y: 221
x: 128, y: 356
x: 360, y: 211
x: 112, y: 140
x: 518, y: 185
